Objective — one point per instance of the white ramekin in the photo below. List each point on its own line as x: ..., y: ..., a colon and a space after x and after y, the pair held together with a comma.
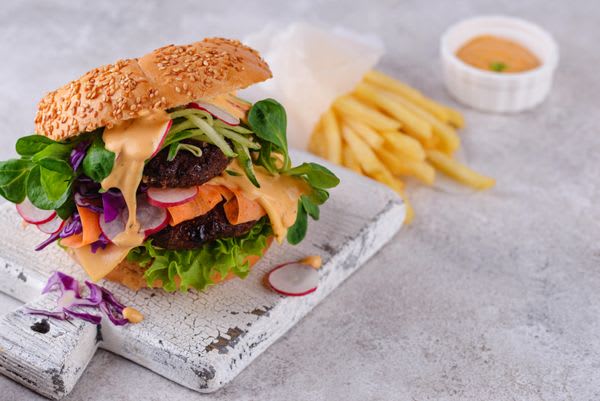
x: 497, y: 92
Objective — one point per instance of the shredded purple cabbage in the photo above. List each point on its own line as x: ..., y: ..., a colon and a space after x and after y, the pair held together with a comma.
x: 72, y: 226
x: 102, y: 242
x: 78, y: 153
x: 92, y: 203
x: 87, y: 187
x: 70, y: 298
x: 48, y: 241
x: 112, y: 203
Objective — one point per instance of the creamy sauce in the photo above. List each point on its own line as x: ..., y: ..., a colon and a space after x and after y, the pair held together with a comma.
x: 133, y: 315
x: 313, y: 261
x: 133, y: 142
x: 497, y: 54
x: 278, y: 195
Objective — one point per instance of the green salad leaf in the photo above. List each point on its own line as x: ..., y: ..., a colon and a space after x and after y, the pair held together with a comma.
x: 55, y: 151
x: 297, y: 232
x: 98, y: 161
x: 43, y: 174
x: 197, y: 267
x: 32, y: 144
x: 316, y: 175
x: 320, y: 179
x: 268, y: 120
x: 37, y: 189
x: 13, y: 179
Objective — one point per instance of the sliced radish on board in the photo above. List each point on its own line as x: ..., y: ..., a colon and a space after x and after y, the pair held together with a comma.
x: 32, y: 214
x: 293, y: 279
x: 152, y: 219
x: 166, y: 129
x: 216, y: 112
x: 168, y: 197
x: 52, y: 226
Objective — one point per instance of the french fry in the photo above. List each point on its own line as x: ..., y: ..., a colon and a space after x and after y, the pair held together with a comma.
x: 367, y: 134
x: 407, y: 167
x: 316, y: 144
x: 388, y: 179
x: 410, y: 212
x: 386, y: 82
x: 446, y: 137
x: 459, y: 171
x: 386, y: 129
x: 349, y: 160
x: 404, y: 144
x: 411, y: 122
x: 368, y: 161
x: 348, y: 106
x: 455, y: 118
x: 332, y: 137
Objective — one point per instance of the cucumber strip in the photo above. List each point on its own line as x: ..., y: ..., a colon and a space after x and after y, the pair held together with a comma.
x: 216, y: 138
x: 192, y: 112
x: 173, y: 149
x: 181, y: 127
x: 187, y: 134
x: 234, y: 136
x: 236, y: 128
x: 177, y: 147
x: 246, y: 162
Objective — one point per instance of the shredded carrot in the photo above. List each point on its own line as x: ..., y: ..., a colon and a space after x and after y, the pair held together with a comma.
x: 208, y: 197
x: 226, y: 192
x: 242, y: 210
x: 74, y: 241
x: 238, y: 208
x: 91, y: 225
x: 90, y: 222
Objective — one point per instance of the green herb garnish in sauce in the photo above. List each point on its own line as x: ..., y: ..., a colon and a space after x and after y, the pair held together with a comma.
x: 498, y: 66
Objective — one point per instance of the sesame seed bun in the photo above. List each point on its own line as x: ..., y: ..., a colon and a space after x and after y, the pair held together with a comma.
x: 167, y: 77
x: 131, y: 275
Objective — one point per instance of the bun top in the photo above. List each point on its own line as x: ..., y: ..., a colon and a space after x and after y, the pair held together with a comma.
x: 167, y: 77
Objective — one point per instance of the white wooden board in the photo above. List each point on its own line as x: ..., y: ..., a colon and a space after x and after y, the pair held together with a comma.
x: 199, y: 340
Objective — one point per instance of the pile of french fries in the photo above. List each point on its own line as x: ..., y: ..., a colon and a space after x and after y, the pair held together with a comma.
x: 388, y: 130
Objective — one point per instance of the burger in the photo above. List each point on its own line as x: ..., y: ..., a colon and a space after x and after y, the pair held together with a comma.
x: 152, y: 172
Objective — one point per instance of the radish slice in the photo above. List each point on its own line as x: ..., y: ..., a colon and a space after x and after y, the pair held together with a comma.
x: 167, y: 197
x: 162, y: 139
x: 32, y: 214
x: 152, y: 219
x: 114, y: 228
x: 216, y: 112
x: 293, y: 279
x: 52, y: 226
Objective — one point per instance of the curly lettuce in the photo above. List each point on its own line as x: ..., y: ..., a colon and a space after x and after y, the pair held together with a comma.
x: 196, y: 267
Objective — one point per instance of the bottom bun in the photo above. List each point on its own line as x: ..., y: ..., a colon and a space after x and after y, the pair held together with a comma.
x: 131, y: 275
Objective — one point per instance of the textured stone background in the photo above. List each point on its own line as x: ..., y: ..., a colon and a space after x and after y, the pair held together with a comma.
x: 491, y: 296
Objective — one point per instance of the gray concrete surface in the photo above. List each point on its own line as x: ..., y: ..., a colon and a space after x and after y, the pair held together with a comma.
x: 491, y: 296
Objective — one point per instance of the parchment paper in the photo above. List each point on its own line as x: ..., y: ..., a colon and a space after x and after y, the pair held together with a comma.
x: 311, y: 67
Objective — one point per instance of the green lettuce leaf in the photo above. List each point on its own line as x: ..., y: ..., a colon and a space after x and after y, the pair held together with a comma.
x: 196, y: 267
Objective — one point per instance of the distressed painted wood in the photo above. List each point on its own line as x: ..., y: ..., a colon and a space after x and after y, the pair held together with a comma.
x: 199, y: 340
x: 47, y: 356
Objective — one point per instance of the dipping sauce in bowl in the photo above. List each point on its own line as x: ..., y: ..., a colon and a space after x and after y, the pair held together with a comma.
x: 497, y: 63
x: 493, y: 53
